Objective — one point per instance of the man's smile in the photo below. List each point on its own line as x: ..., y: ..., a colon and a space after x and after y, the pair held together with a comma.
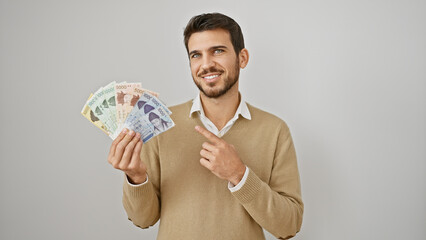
x: 211, y: 77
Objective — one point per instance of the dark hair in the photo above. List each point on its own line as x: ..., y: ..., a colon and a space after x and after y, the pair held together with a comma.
x: 211, y: 21
x: 153, y: 116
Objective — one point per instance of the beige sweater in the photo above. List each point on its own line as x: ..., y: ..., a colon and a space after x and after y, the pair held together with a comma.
x: 192, y: 203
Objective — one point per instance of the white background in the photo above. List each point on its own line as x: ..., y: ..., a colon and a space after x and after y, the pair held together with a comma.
x: 349, y: 78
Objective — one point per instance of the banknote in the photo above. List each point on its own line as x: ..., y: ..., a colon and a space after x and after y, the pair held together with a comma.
x: 101, y: 109
x: 160, y: 120
x: 125, y: 98
x: 151, y: 124
x: 158, y: 103
x: 134, y: 114
x: 142, y: 90
x: 151, y: 100
x: 143, y: 127
x: 145, y: 104
x: 119, y: 105
x: 109, y: 93
x: 88, y: 113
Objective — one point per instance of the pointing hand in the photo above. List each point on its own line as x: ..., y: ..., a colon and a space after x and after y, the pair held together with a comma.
x: 220, y: 157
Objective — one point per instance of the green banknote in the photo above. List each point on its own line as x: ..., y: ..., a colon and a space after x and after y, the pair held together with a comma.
x: 101, y: 109
x: 109, y: 95
x: 88, y: 113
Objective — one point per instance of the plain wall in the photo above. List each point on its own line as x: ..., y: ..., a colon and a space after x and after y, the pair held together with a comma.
x: 349, y: 78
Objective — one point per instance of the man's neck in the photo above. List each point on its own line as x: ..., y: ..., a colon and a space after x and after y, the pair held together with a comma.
x: 221, y: 110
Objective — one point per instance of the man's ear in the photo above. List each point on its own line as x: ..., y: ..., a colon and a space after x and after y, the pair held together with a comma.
x: 243, y: 58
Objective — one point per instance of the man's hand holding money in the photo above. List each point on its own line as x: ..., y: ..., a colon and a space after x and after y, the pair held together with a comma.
x: 124, y: 155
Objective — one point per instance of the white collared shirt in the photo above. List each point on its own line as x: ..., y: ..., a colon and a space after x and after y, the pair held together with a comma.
x: 241, y: 110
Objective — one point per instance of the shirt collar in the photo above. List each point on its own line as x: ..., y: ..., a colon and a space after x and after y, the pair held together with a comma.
x: 241, y: 110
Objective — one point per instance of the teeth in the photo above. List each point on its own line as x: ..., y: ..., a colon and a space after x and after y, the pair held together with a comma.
x: 212, y: 76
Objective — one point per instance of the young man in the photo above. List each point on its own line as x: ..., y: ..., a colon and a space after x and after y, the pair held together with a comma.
x: 227, y: 169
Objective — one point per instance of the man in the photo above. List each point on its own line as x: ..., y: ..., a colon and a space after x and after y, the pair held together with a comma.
x: 159, y: 124
x: 227, y: 182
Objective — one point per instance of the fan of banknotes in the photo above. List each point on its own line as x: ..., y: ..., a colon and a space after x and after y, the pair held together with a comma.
x: 127, y: 105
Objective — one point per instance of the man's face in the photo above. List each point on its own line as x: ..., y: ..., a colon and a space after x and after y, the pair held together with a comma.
x: 214, y: 64
x: 157, y: 123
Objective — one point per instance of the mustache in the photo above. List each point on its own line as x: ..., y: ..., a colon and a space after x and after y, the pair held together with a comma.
x: 210, y: 70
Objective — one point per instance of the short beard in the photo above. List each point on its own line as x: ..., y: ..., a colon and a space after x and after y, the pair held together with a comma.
x: 228, y: 83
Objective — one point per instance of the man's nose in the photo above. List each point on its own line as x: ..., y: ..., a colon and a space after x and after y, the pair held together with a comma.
x: 207, y: 62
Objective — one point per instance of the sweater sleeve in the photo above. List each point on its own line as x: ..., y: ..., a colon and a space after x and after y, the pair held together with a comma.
x: 142, y: 202
x: 276, y: 206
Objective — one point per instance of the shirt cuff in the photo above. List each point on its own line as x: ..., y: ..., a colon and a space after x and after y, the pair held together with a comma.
x: 233, y: 188
x: 136, y: 185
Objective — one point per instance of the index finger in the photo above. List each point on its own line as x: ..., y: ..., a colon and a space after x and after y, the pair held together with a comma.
x: 116, y: 141
x: 210, y: 136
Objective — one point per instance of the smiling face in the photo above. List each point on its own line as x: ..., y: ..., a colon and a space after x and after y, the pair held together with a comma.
x: 215, y: 67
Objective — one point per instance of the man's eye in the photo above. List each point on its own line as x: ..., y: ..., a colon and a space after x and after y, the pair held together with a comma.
x: 217, y: 51
x: 195, y: 55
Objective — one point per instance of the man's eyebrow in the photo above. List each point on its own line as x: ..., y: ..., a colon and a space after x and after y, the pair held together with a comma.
x: 216, y: 47
x: 192, y: 52
x: 211, y: 48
